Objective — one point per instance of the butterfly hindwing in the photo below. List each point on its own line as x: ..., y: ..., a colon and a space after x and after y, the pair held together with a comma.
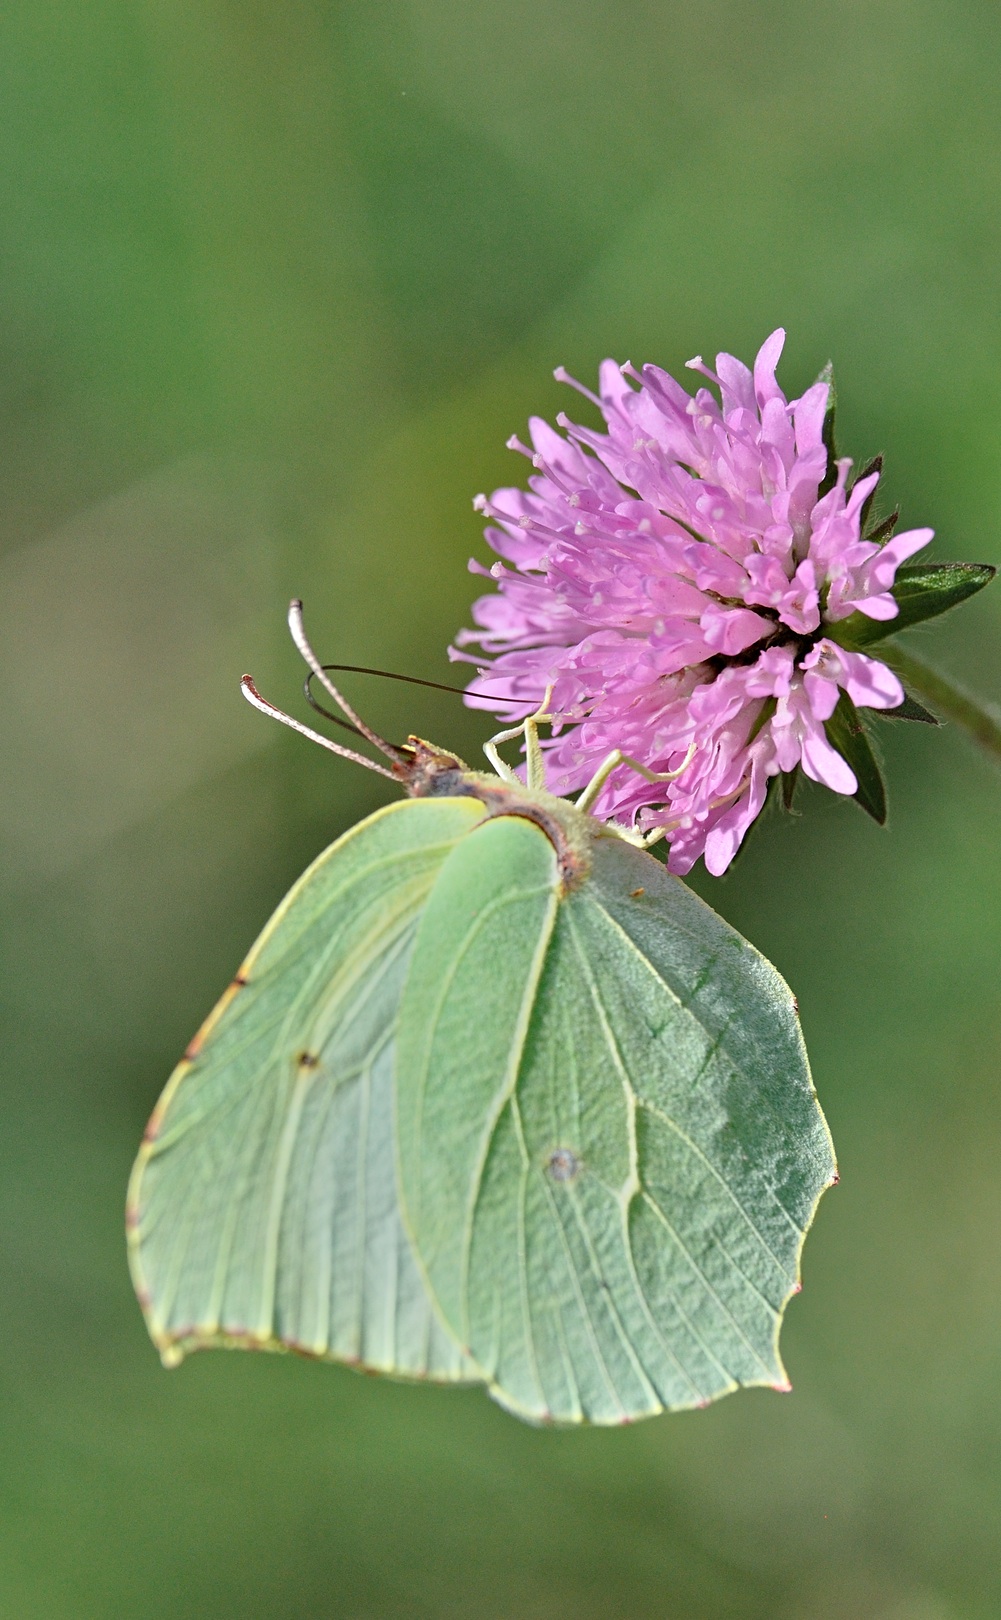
x: 263, y: 1208
x: 608, y: 1182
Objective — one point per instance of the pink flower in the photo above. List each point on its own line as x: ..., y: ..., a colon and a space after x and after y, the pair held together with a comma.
x: 676, y: 580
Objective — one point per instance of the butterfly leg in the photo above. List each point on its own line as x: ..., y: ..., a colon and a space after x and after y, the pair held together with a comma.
x: 529, y: 729
x: 612, y: 763
x: 657, y: 833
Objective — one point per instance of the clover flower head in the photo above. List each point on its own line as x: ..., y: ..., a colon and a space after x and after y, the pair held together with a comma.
x: 678, y: 581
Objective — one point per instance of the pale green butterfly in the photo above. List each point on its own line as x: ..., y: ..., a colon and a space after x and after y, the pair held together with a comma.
x: 492, y: 1099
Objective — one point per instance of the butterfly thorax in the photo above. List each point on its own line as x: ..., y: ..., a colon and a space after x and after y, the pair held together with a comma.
x: 434, y: 773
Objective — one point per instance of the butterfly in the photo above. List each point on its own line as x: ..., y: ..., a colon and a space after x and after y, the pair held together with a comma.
x: 493, y: 1099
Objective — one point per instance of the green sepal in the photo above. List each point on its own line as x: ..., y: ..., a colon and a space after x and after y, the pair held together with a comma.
x: 910, y: 709
x: 790, y: 782
x: 883, y: 530
x: 922, y: 591
x: 846, y: 733
x: 830, y: 477
x: 873, y: 466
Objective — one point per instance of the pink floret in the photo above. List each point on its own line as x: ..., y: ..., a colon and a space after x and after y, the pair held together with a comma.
x: 674, y: 579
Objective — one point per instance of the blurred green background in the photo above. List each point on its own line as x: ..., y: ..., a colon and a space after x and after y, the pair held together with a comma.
x: 276, y: 282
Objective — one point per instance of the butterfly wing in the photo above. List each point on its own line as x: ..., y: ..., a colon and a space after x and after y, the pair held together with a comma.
x: 263, y: 1209
x: 608, y: 1171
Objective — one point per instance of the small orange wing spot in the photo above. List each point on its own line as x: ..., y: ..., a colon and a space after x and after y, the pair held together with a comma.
x: 308, y: 1351
x: 197, y: 1040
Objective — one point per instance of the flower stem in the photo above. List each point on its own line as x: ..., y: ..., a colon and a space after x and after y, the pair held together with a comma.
x: 981, y: 719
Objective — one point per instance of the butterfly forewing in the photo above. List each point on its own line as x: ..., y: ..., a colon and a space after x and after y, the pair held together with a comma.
x: 263, y: 1206
x: 609, y: 1196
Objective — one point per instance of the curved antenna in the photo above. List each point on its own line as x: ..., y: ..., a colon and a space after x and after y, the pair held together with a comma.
x: 297, y: 628
x: 328, y: 714
x: 254, y: 697
x: 362, y: 669
x: 391, y: 675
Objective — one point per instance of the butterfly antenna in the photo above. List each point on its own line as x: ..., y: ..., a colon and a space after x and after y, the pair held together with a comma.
x: 297, y: 628
x: 328, y: 714
x: 363, y: 669
x: 254, y: 697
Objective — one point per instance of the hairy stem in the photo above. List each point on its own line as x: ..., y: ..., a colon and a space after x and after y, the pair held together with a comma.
x: 981, y: 719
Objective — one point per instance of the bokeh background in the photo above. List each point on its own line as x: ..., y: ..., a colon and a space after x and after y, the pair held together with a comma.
x: 277, y: 280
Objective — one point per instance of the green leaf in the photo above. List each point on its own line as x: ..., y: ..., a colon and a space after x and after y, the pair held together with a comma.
x: 847, y: 734
x: 910, y: 709
x: 263, y: 1210
x: 610, y: 1146
x: 922, y: 591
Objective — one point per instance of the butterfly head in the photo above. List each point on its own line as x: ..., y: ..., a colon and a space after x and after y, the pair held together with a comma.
x: 430, y: 772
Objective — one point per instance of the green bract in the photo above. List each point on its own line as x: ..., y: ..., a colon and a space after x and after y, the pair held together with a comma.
x: 492, y: 1098
x: 846, y: 732
x: 921, y: 591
